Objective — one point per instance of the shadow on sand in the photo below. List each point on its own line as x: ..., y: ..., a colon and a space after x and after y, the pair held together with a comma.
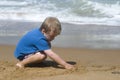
x: 48, y: 63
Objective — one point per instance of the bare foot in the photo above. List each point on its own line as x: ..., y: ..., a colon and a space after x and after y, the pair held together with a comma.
x: 19, y: 65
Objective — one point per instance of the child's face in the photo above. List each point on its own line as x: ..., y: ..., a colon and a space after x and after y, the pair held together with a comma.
x: 50, y: 36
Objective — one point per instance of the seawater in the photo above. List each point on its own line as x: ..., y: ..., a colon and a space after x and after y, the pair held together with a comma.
x: 72, y: 35
x: 85, y: 23
x: 105, y: 12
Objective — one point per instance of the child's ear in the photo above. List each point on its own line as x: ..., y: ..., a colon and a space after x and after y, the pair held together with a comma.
x: 43, y: 31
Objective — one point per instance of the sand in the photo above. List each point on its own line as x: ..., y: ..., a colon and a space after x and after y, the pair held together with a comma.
x: 91, y: 64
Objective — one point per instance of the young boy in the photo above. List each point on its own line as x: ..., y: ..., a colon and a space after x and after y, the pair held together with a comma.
x: 35, y: 46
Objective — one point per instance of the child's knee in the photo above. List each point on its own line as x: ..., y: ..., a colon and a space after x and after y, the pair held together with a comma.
x: 41, y: 55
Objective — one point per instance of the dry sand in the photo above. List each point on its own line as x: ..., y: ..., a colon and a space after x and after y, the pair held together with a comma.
x: 90, y: 65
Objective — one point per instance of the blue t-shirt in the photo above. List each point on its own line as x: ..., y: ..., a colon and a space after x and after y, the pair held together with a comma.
x: 32, y: 42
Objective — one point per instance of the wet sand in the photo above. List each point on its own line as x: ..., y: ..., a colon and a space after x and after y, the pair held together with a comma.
x: 91, y: 64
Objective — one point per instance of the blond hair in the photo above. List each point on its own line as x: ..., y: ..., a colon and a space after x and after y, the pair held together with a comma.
x: 51, y: 24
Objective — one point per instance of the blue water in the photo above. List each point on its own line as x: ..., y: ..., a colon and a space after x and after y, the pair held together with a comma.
x: 99, y: 21
x: 105, y: 12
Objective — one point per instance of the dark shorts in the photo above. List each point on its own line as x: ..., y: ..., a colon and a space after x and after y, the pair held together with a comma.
x: 24, y: 56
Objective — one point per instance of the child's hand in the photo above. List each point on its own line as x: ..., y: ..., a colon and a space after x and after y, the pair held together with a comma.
x: 69, y: 66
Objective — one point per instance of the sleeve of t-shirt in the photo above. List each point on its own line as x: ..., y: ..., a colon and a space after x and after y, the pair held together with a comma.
x: 42, y: 45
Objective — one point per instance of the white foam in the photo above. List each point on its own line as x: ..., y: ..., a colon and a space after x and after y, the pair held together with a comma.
x: 111, y: 13
x: 12, y: 3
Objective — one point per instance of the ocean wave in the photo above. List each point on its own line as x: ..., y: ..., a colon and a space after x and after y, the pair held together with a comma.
x: 7, y: 3
x: 70, y: 11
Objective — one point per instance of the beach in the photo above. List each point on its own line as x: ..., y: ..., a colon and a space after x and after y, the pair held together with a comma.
x: 90, y: 64
x: 90, y: 38
x: 93, y: 51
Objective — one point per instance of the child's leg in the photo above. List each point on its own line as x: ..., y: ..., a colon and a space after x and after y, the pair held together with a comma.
x: 37, y: 57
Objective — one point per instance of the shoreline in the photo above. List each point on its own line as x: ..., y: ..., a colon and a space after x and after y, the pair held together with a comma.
x: 82, y: 35
x: 77, y: 45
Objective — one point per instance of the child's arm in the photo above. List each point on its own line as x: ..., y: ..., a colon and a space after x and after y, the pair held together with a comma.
x: 58, y: 59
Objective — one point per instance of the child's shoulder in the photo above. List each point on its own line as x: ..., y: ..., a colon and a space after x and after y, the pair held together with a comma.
x: 34, y: 31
